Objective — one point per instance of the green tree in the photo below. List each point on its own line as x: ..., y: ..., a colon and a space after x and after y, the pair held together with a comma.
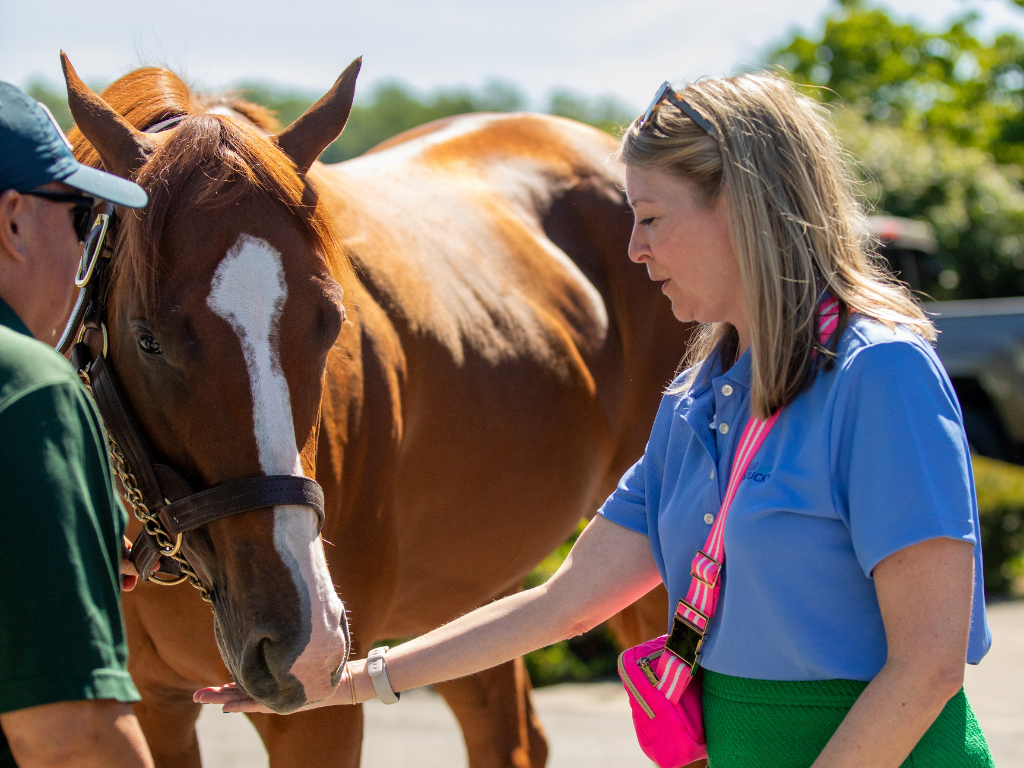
x: 55, y: 100
x: 604, y: 112
x: 392, y: 108
x: 975, y: 204
x: 941, y: 83
x: 936, y: 120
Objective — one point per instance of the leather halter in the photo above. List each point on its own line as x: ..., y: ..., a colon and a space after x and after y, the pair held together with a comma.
x: 164, y: 491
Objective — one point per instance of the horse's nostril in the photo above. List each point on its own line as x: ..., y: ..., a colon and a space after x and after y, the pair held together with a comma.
x: 255, y: 666
x: 267, y: 678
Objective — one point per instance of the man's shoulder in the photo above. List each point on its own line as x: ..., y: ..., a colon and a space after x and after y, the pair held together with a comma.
x: 27, y: 364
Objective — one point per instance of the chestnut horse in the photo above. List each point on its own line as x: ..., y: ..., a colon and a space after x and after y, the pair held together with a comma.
x: 446, y: 333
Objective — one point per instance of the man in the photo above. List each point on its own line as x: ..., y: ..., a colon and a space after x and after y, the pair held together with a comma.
x: 64, y: 683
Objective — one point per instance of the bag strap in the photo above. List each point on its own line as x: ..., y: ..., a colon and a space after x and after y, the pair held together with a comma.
x: 694, y: 612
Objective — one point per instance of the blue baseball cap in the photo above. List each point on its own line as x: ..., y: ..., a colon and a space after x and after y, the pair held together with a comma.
x: 34, y: 151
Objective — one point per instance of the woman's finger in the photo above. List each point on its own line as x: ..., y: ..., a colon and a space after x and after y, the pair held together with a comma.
x: 246, y: 705
x: 230, y: 697
x: 219, y: 694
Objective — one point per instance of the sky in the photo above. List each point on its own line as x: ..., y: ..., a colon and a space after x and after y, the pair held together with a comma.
x: 621, y: 48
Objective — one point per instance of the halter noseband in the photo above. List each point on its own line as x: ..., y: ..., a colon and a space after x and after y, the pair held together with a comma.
x: 160, y: 497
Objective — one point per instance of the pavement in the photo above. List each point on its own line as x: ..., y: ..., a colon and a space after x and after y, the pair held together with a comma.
x: 588, y: 724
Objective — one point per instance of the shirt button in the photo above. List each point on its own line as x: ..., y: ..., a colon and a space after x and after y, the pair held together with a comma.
x: 723, y: 428
x: 712, y: 474
x: 709, y: 518
x: 727, y: 389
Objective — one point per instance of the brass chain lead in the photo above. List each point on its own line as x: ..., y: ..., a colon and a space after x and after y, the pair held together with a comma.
x: 169, y: 546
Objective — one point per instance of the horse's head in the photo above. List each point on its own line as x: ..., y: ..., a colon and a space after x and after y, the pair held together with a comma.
x: 224, y: 302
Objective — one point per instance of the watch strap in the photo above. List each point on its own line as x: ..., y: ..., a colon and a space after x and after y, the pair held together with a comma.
x: 375, y: 667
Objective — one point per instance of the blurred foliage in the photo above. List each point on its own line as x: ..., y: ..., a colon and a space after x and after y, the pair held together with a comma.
x: 55, y: 99
x: 590, y: 656
x: 937, y: 121
x: 1001, y: 510
x: 975, y: 204
x: 607, y: 113
x: 391, y: 109
x: 942, y: 83
x: 547, y: 567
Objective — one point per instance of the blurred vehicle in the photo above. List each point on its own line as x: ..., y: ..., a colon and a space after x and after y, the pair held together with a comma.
x: 981, y: 342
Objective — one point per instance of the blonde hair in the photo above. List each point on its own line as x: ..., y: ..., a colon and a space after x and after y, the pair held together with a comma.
x: 795, y: 224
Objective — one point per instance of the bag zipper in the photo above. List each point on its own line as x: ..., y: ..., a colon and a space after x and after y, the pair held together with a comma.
x: 644, y: 662
x: 632, y: 688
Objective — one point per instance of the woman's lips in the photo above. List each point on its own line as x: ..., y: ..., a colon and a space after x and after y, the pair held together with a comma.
x: 664, y: 283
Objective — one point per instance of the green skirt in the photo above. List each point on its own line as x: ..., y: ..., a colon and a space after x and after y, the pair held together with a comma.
x: 781, y: 724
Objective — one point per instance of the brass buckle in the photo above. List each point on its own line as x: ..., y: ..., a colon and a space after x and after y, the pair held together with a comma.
x: 92, y: 249
x: 167, y: 580
x: 686, y: 639
x: 106, y: 338
x: 701, y: 578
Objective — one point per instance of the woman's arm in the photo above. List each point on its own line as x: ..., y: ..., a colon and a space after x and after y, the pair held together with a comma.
x: 608, y: 568
x: 924, y: 592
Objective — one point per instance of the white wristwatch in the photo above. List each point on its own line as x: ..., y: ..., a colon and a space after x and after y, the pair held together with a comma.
x: 379, y: 676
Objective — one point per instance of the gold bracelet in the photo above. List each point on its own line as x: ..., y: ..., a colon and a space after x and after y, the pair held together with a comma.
x: 351, y: 683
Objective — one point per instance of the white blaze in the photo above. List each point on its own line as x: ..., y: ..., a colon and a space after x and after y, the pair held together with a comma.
x: 249, y: 291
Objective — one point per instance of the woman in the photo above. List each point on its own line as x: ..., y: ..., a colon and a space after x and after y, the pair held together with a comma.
x: 852, y: 593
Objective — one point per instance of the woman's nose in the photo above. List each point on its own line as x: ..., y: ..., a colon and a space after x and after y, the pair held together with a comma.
x: 638, y: 250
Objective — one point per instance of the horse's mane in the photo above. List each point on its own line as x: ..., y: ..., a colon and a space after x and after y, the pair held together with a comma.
x: 210, y: 161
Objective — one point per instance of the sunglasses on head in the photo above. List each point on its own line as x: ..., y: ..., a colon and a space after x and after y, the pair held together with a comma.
x: 666, y: 93
x: 81, y: 213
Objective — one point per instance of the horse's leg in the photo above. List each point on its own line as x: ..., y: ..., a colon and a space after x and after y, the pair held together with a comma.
x: 330, y: 737
x: 166, y: 713
x: 497, y: 719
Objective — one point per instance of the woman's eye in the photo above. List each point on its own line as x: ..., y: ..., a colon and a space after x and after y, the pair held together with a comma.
x: 647, y: 221
x: 149, y: 345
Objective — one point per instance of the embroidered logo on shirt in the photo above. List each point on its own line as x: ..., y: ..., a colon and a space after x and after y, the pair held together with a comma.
x: 758, y: 473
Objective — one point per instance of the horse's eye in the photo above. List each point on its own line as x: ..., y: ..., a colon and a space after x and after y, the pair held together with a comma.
x: 149, y: 345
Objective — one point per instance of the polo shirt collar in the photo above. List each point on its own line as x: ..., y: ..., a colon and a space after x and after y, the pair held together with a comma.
x: 741, y: 373
x: 11, y: 320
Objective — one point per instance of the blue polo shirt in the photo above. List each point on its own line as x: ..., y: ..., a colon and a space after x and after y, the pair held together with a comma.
x: 868, y: 460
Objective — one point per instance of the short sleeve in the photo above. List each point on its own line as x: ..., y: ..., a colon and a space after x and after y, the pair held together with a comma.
x: 61, y: 632
x: 635, y: 501
x: 627, y: 506
x: 899, y: 454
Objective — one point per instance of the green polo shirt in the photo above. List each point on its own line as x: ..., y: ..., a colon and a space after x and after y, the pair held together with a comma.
x: 62, y: 637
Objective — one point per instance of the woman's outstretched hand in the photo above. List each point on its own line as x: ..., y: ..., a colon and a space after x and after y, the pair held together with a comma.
x: 231, y: 697
x: 234, y: 699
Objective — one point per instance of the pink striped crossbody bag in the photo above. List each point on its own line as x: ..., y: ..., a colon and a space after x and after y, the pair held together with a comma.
x: 660, y: 675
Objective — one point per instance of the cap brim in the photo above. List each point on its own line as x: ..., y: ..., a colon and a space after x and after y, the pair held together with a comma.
x: 102, y: 184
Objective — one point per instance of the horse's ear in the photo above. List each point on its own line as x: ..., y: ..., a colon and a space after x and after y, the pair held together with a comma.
x: 307, y: 137
x: 121, y: 147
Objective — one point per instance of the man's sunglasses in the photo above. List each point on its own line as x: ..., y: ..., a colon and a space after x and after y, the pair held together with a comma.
x: 81, y: 214
x: 666, y: 93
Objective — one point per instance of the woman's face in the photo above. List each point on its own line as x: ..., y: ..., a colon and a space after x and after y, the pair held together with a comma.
x: 686, y: 246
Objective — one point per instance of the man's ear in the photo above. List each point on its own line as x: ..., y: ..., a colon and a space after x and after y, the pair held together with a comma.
x: 12, y: 226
